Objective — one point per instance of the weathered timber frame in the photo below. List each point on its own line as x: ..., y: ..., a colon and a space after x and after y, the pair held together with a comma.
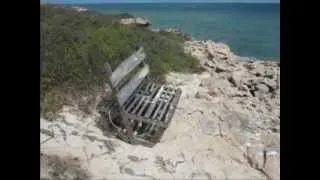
x: 144, y: 108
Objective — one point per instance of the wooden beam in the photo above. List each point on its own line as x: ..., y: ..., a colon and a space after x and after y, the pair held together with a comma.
x: 127, y: 66
x: 173, y: 106
x: 135, y: 81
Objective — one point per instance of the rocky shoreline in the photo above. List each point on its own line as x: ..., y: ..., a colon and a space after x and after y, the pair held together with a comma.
x: 145, y: 22
x: 226, y: 126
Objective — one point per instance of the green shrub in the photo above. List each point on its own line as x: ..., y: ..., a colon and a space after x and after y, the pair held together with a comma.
x: 74, y: 46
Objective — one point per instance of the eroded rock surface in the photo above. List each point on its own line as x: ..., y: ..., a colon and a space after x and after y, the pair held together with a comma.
x: 226, y: 126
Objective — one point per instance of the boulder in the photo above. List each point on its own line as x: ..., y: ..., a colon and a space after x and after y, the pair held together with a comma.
x: 140, y: 21
x: 217, y: 50
x: 79, y: 9
x: 155, y: 30
x: 137, y: 21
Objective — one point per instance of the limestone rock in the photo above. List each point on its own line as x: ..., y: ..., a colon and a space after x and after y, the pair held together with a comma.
x: 137, y: 21
x: 263, y: 88
x: 226, y: 126
x: 79, y: 9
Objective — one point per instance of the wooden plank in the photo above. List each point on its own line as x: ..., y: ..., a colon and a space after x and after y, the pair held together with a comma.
x: 127, y: 66
x: 135, y: 110
x: 165, y: 108
x: 142, y: 90
x: 128, y: 89
x: 142, y: 87
x: 173, y: 106
x: 137, y: 98
x: 146, y: 103
x: 167, y: 97
x: 146, y: 120
x: 154, y: 91
x: 153, y: 86
x: 128, y: 102
x: 108, y: 71
x: 139, y: 94
x: 163, y: 111
x: 151, y: 108
x: 158, y: 109
x: 148, y: 87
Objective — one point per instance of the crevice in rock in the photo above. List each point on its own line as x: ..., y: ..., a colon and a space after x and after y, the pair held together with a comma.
x: 239, y: 95
x: 271, y: 89
x: 252, y: 92
x: 219, y: 70
x: 232, y: 81
x: 253, y: 164
x: 135, y: 158
x: 47, y: 132
x: 270, y: 76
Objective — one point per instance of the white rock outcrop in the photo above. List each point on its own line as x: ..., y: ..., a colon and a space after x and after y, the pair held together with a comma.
x: 226, y: 126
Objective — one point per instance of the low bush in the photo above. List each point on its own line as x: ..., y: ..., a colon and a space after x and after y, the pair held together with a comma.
x: 75, y: 45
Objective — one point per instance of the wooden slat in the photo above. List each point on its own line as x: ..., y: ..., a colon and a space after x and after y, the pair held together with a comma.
x: 107, y: 69
x: 152, y: 87
x: 142, y: 90
x: 142, y: 87
x: 158, y: 109
x: 154, y: 91
x: 165, y: 108
x: 127, y: 66
x: 151, y: 108
x: 128, y: 89
x: 163, y: 111
x: 146, y: 120
x: 135, y: 110
x: 173, y: 105
x: 148, y: 87
x: 146, y: 103
x: 133, y: 103
x: 128, y: 102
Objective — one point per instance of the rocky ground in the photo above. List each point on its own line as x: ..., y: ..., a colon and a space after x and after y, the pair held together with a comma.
x: 226, y: 126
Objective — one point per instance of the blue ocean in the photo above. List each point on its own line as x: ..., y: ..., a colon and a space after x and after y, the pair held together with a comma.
x: 251, y: 30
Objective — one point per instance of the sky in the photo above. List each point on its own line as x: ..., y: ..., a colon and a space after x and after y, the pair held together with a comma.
x: 153, y: 1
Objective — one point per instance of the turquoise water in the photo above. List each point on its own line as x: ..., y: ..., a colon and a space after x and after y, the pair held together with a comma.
x: 251, y: 30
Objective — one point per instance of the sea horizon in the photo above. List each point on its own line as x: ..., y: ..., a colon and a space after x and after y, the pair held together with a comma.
x: 249, y: 29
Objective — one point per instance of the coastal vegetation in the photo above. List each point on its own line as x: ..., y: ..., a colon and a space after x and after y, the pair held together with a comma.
x: 75, y: 45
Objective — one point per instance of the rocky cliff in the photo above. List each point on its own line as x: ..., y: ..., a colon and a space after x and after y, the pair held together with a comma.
x: 226, y: 126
